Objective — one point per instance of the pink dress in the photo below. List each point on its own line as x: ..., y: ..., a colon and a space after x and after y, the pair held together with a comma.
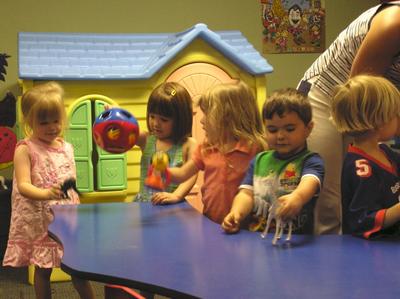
x: 28, y: 241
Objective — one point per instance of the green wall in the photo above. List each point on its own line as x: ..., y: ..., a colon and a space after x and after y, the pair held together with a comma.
x: 134, y: 16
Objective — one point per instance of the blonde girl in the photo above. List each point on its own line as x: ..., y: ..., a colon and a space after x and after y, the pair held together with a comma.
x: 234, y: 134
x: 368, y: 108
x: 169, y: 121
x: 42, y: 162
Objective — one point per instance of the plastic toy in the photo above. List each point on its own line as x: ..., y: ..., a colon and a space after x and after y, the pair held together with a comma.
x: 158, y: 175
x: 8, y: 141
x: 273, y: 194
x: 115, y: 130
x: 8, y: 110
x: 3, y: 64
x: 69, y: 184
x: 280, y: 225
x: 3, y: 185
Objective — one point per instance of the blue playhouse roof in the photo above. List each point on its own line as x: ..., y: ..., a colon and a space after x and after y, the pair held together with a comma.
x: 84, y: 56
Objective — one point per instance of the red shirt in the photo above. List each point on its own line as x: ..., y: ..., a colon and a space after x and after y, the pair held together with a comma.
x: 222, y: 177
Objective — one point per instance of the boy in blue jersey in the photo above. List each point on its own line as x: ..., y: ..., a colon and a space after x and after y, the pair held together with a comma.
x: 368, y: 108
x: 288, y: 172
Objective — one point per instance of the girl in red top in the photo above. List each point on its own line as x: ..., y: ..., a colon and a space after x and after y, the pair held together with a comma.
x: 234, y: 134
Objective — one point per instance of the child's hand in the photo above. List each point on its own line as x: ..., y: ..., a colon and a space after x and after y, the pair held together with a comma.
x: 162, y: 198
x: 289, y: 206
x: 231, y: 223
x: 54, y: 193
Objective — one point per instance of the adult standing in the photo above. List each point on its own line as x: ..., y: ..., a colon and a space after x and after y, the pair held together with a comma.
x: 370, y: 44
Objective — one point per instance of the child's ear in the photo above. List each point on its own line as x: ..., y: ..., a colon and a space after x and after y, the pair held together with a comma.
x: 310, y: 127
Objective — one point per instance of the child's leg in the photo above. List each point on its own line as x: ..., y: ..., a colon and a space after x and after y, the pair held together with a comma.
x: 83, y: 287
x: 42, y: 283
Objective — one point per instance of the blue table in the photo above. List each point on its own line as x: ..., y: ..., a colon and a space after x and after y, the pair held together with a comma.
x: 175, y: 251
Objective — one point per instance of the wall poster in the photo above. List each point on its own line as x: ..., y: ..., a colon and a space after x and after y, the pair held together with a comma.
x: 293, y: 26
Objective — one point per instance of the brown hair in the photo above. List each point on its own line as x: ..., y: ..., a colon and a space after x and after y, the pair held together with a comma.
x: 171, y: 99
x: 287, y: 100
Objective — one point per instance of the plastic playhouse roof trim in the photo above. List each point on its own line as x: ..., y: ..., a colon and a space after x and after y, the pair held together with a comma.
x: 94, y: 56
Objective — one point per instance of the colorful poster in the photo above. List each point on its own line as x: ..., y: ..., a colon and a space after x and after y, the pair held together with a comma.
x: 293, y: 26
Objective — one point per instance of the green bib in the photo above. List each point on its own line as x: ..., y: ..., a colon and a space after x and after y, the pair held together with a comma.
x: 274, y: 177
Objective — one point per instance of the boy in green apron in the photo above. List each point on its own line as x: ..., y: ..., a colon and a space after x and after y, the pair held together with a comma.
x: 287, y: 173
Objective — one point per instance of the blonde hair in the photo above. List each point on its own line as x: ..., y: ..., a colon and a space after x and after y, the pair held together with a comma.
x: 287, y: 100
x: 364, y: 103
x: 171, y: 99
x: 231, y: 110
x: 42, y: 102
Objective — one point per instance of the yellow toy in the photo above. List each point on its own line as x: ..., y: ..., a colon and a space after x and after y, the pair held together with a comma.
x: 158, y: 175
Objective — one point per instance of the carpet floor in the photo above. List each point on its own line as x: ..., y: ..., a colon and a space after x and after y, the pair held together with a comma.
x: 14, y: 285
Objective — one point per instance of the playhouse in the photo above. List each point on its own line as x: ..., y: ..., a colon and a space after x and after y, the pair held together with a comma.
x: 122, y: 69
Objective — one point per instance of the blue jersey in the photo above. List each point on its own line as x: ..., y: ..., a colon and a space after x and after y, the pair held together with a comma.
x: 368, y: 189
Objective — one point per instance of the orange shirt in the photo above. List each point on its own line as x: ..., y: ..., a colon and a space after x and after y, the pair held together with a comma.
x: 222, y: 177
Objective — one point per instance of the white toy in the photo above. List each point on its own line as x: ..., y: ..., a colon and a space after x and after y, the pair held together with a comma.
x: 272, y: 206
x: 3, y: 185
x: 280, y: 225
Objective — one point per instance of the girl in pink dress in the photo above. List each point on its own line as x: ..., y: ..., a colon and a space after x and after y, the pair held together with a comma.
x: 42, y: 162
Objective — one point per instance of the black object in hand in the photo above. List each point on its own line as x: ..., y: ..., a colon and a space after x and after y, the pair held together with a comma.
x: 69, y: 184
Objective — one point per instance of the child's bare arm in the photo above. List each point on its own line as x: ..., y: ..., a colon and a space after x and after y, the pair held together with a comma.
x: 183, y: 189
x: 291, y: 204
x: 178, y: 195
x: 392, y: 216
x: 181, y: 174
x: 142, y: 139
x: 241, y: 207
x: 22, y: 167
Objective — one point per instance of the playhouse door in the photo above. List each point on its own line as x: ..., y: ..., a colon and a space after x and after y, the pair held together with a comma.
x: 97, y: 170
x: 79, y: 135
x: 197, y: 78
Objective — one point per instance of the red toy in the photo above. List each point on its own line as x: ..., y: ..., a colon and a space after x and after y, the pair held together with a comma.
x: 158, y: 175
x: 8, y: 140
x: 115, y: 130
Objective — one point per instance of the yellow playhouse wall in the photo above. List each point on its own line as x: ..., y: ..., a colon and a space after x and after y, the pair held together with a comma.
x: 200, y: 51
x: 132, y: 95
